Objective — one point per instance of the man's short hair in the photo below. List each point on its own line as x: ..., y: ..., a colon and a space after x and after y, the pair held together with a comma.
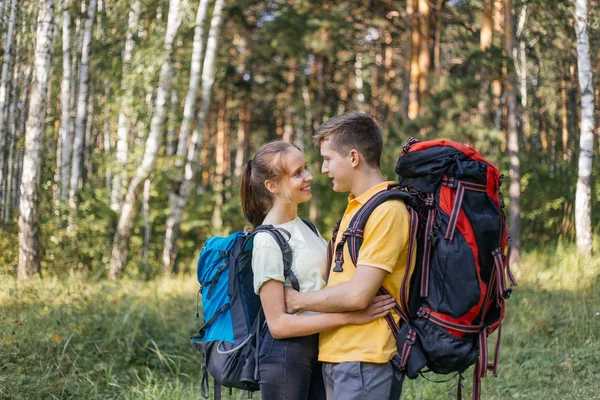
x: 353, y: 130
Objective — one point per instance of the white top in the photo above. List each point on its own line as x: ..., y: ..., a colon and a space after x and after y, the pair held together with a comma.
x: 309, y: 263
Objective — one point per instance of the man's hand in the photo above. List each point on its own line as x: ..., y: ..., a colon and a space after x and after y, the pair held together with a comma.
x: 291, y: 297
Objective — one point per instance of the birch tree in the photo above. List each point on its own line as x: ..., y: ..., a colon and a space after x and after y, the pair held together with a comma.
x: 64, y: 137
x: 120, y: 177
x: 120, y: 251
x: 29, y: 218
x: 583, y: 209
x: 80, y: 117
x: 514, y: 189
x: 179, y: 199
x: 5, y: 81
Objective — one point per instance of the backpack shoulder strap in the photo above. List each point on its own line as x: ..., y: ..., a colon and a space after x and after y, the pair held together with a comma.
x: 354, y: 234
x: 286, y: 251
x: 311, y: 226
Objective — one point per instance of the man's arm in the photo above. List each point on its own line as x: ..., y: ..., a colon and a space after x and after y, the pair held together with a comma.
x: 356, y: 294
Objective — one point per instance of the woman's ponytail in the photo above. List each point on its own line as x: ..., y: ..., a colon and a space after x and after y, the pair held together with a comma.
x: 267, y: 164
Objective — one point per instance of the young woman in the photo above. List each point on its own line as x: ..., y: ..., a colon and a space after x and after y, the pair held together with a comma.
x: 273, y: 184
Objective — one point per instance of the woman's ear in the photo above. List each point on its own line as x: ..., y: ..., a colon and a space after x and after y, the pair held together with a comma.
x: 272, y: 187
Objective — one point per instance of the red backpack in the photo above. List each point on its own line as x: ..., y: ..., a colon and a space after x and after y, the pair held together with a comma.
x: 456, y: 296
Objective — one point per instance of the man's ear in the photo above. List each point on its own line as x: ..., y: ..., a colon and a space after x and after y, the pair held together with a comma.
x: 355, y: 157
x: 272, y: 187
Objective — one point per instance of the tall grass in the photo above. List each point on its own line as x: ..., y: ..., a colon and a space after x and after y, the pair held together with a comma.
x: 75, y: 338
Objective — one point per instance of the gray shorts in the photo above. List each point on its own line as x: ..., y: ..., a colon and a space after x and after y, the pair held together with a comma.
x: 361, y: 381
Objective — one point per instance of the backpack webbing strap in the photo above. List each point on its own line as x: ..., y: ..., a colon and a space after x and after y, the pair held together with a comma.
x: 460, y: 186
x: 286, y: 251
x: 427, y: 237
x: 212, y: 319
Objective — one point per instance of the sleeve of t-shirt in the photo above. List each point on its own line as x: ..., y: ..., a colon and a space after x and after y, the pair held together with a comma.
x: 386, y: 236
x: 267, y: 260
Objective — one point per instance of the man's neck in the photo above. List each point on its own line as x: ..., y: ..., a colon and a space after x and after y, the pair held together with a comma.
x: 365, y: 180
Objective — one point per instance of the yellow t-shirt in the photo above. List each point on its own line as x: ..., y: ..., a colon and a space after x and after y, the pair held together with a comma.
x: 385, y: 246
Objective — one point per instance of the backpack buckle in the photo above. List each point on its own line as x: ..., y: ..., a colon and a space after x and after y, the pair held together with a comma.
x: 506, y: 294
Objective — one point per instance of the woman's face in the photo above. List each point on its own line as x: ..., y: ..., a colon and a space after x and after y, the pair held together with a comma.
x: 295, y: 184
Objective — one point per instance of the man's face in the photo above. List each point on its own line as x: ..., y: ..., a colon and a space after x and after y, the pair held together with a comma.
x: 337, y: 167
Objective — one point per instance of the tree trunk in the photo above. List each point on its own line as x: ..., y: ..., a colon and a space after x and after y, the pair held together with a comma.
x: 288, y: 114
x: 424, y: 56
x: 487, y: 23
x: 65, y: 140
x: 220, y: 149
x: 106, y: 147
x: 120, y: 251
x: 89, y: 141
x: 583, y: 209
x: 29, y: 218
x: 241, y: 147
x: 172, y: 124
x: 20, y: 133
x: 413, y: 88
x: 358, y: 82
x: 7, y: 63
x: 178, y: 200
x: 564, y: 117
x: 12, y: 131
x: 521, y: 68
x: 147, y: 226
x: 80, y: 117
x: 123, y: 125
x: 195, y: 71
x: 514, y: 190
x: 389, y: 74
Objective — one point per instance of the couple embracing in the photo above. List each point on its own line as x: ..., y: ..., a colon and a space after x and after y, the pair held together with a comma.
x: 329, y: 339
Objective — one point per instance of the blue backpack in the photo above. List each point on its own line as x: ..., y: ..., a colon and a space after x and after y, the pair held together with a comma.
x: 229, y: 338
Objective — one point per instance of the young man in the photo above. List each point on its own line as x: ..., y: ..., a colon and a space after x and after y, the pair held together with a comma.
x: 357, y: 358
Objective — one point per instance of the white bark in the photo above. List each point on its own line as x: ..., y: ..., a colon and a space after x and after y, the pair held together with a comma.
x: 192, y: 93
x: 178, y: 200
x: 65, y: 140
x: 20, y: 134
x: 514, y: 189
x: 29, y: 218
x: 5, y: 80
x: 120, y: 250
x: 80, y: 117
x: 583, y: 209
x: 123, y: 125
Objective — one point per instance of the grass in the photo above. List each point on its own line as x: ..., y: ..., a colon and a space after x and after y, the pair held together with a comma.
x: 82, y: 339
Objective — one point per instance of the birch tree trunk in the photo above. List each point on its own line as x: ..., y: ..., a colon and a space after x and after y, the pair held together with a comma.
x: 514, y: 190
x: 20, y: 134
x: 178, y: 200
x: 5, y: 80
x: 120, y: 251
x: 80, y: 117
x: 29, y: 218
x: 120, y: 176
x: 583, y: 209
x: 65, y: 140
x: 190, y: 98
x: 521, y: 68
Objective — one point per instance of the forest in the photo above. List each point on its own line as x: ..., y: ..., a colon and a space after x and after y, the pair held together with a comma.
x: 125, y: 125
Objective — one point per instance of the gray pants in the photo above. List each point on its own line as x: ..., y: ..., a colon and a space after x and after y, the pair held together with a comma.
x: 361, y: 381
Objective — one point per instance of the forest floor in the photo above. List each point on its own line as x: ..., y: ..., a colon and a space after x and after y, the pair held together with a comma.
x: 74, y: 338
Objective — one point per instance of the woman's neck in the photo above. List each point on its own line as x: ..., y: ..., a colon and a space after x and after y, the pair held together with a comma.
x: 282, y: 211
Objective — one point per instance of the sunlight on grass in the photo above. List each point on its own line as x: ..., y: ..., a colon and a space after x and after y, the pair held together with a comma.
x: 85, y: 339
